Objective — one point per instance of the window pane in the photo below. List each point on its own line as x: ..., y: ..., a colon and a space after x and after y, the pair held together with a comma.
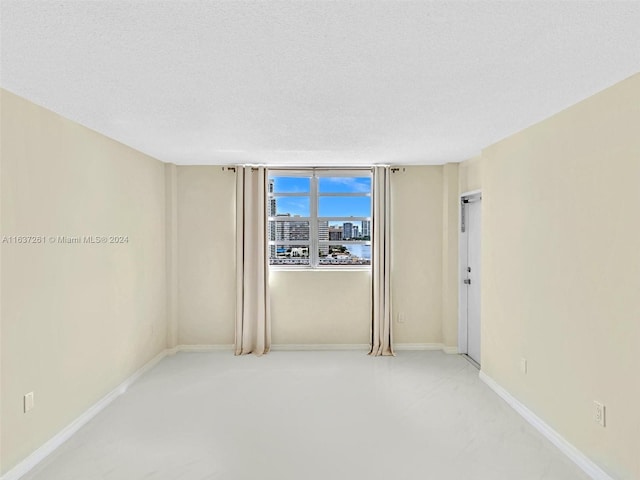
x: 344, y: 206
x: 286, y: 231
x: 344, y: 184
x: 345, y: 254
x: 341, y: 230
x: 288, y: 206
x: 289, y: 184
x: 289, y: 254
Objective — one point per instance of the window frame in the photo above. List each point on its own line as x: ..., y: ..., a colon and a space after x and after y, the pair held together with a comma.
x: 314, y: 174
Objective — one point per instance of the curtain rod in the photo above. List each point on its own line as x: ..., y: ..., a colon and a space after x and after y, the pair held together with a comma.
x: 291, y: 167
x: 270, y: 167
x: 393, y: 169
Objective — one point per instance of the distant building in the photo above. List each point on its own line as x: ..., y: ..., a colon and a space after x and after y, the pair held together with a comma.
x: 356, y: 232
x: 281, y: 230
x: 347, y: 230
x: 272, y: 200
x: 366, y: 228
x: 285, y: 229
x: 323, y: 234
x: 335, y: 233
x: 271, y: 212
x: 298, y: 230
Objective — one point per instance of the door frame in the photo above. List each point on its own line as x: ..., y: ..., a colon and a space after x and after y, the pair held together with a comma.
x: 463, y: 242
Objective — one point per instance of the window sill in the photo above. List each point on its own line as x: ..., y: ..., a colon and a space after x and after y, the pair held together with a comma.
x: 277, y: 268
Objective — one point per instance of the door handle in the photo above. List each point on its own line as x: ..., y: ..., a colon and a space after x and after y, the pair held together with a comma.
x: 467, y: 281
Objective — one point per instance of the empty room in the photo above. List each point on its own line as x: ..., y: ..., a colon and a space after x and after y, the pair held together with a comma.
x: 304, y: 240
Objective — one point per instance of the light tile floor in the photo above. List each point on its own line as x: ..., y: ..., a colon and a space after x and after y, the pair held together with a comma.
x: 308, y: 416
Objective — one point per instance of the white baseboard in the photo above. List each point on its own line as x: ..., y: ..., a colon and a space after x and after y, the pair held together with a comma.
x: 320, y: 346
x: 417, y: 346
x: 425, y: 346
x: 362, y: 346
x: 48, y: 447
x: 200, y: 348
x: 276, y: 347
x: 579, y: 458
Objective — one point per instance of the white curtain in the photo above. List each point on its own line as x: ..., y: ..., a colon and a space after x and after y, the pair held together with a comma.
x: 253, y: 323
x: 381, y: 321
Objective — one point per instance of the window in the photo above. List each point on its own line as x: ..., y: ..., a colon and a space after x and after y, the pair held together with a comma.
x: 319, y: 218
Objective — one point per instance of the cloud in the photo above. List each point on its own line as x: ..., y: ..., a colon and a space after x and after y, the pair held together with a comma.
x: 293, y: 206
x: 354, y: 184
x: 291, y: 184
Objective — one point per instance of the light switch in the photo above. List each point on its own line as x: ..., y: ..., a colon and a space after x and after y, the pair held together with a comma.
x: 28, y: 402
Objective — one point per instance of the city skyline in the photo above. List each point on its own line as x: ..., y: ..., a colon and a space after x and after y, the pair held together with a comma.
x: 288, y: 228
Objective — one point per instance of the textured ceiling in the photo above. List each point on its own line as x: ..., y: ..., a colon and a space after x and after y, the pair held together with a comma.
x: 295, y: 82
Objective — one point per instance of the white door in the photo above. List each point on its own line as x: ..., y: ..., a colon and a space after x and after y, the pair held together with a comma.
x: 472, y: 282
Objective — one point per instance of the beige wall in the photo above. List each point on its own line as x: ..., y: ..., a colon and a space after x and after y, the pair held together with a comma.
x: 450, y: 275
x: 470, y: 174
x: 417, y: 254
x: 206, y: 255
x: 320, y: 307
x: 171, y: 247
x: 76, y: 319
x: 307, y: 306
x: 335, y: 307
x: 561, y: 272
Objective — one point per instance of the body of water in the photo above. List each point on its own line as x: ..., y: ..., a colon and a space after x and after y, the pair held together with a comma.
x: 362, y: 251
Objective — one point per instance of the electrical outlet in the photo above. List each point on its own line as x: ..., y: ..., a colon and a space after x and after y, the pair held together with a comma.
x: 523, y: 365
x: 599, y: 412
x: 400, y: 317
x: 28, y: 402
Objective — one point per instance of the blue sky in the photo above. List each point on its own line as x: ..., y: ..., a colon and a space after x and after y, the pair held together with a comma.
x: 293, y: 205
x: 291, y: 184
x: 328, y: 206
x: 344, y: 207
x: 344, y: 184
x: 326, y: 184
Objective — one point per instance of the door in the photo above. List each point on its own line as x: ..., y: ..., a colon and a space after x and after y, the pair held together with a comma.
x: 472, y: 276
